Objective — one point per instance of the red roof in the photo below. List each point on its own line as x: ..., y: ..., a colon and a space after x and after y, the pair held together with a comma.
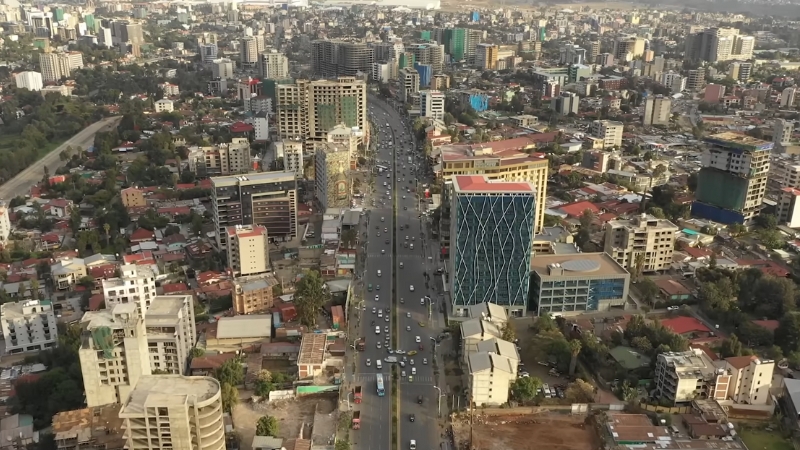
x: 174, y: 287
x: 142, y: 234
x: 770, y: 325
x: 683, y: 325
x: 95, y: 302
x: 241, y: 127
x: 766, y: 266
x: 478, y: 183
x: 576, y: 209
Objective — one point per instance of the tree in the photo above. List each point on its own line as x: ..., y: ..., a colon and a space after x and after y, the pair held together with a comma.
x: 574, y: 351
x: 545, y: 323
x: 626, y: 392
x: 309, y: 298
x: 525, y: 389
x: 730, y: 347
x: 197, y: 352
x: 230, y: 372
x: 230, y: 396
x: 264, y: 383
x: 509, y: 332
x: 649, y: 290
x: 787, y: 335
x: 34, y: 288
x: 107, y: 229
x: 349, y: 238
x: 342, y: 444
x: 267, y: 426
x: 580, y: 392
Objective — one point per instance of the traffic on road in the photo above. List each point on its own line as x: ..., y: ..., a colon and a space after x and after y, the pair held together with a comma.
x: 398, y: 263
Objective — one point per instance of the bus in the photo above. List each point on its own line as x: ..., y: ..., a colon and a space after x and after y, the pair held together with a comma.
x: 381, y: 390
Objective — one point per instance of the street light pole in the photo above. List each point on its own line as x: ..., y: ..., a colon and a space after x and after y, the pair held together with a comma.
x: 439, y: 400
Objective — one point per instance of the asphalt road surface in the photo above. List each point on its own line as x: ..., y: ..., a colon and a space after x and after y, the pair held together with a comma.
x: 417, y: 384
x: 20, y: 185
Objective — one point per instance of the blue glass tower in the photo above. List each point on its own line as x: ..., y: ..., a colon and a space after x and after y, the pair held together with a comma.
x: 492, y: 226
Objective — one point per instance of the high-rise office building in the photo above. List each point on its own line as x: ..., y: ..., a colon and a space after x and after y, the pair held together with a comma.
x: 136, y: 285
x: 787, y: 97
x: 409, y: 84
x: 56, y: 66
x: 222, y: 68
x: 222, y: 159
x: 627, y: 48
x: 332, y: 176
x: 273, y: 64
x: 696, y: 80
x: 486, y: 56
x: 657, y: 110
x: 340, y: 58
x: 432, y: 104
x: 718, y: 44
x: 428, y: 54
x: 174, y: 411
x: 593, y: 49
x: 309, y: 109
x: 248, y: 250
x: 566, y: 103
x: 782, y: 133
x: 492, y: 224
x: 248, y: 52
x: 208, y: 52
x: 113, y: 353
x: 740, y: 71
x: 733, y: 180
x: 265, y: 198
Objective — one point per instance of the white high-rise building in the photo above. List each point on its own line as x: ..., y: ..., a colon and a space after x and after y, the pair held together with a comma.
x: 28, y: 326
x: 29, y: 80
x: 273, y: 65
x: 674, y: 81
x: 787, y: 97
x: 248, y: 250
x: 56, y: 66
x: 171, y: 333
x: 432, y: 104
x: 222, y: 68
x: 782, y: 133
x: 248, y: 52
x: 609, y: 131
x: 113, y: 353
x: 657, y: 110
x: 136, y: 285
x: 292, y: 153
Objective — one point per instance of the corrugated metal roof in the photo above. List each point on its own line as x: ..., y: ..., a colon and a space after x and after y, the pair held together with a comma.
x: 252, y: 326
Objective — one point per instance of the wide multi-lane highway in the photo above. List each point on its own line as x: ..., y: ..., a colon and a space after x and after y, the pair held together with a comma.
x: 22, y: 182
x: 394, y: 211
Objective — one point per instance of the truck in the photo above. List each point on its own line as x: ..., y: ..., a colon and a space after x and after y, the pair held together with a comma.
x: 356, y: 420
x: 361, y: 344
x: 357, y: 394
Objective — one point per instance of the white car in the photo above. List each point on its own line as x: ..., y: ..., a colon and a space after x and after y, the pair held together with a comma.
x: 411, y: 288
x: 408, y: 327
x: 411, y: 361
x: 377, y: 330
x: 380, y: 314
x: 386, y: 319
x: 417, y: 340
x: 378, y: 345
x: 369, y: 362
x: 425, y: 361
x: 385, y: 329
x: 408, y: 314
x: 422, y: 301
x: 376, y: 298
x: 413, y: 371
x: 374, y: 310
x: 402, y: 374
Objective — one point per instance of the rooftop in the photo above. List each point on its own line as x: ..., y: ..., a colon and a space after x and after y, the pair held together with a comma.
x: 100, y: 424
x: 153, y: 391
x: 312, y: 348
x: 483, y: 361
x: 478, y: 327
x: 252, y: 178
x: 577, y: 265
x: 18, y: 309
x: 693, y: 363
x: 499, y: 346
x: 247, y: 231
x: 738, y: 141
x: 504, y: 150
x: 106, y: 317
x: 643, y: 221
x: 255, y: 284
x: 489, y: 311
x: 251, y: 326
x: 481, y: 184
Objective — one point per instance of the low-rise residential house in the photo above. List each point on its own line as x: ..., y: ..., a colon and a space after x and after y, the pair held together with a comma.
x: 67, y: 272
x: 239, y: 333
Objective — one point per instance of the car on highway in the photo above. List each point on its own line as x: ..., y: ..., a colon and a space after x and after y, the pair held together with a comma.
x: 411, y: 288
x: 377, y: 330
x: 374, y: 310
x: 369, y: 362
x: 385, y: 329
x: 408, y: 327
x: 419, y: 399
x: 377, y: 287
x: 425, y: 361
x: 422, y: 301
x: 408, y: 314
x: 376, y: 297
x: 401, y: 264
x: 417, y: 339
x: 413, y: 371
x: 402, y: 374
x: 411, y: 418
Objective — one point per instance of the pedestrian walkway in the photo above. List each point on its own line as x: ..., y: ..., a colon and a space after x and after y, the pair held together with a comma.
x: 379, y: 255
x: 366, y: 377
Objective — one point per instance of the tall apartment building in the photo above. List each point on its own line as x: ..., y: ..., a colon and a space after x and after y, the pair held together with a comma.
x: 788, y: 96
x: 309, y: 110
x: 782, y: 133
x: 681, y: 377
x: 248, y: 250
x: 332, y: 176
x: 174, y: 411
x: 428, y: 54
x: 674, y: 81
x: 592, y: 50
x: 253, y: 295
x: 273, y: 65
x: 266, y: 198
x: 331, y: 58
x: 641, y: 244
x: 787, y: 211
x: 492, y: 370
x: 55, y: 66
x: 657, y: 110
x: 28, y: 326
x: 222, y: 68
x: 171, y: 334
x: 566, y: 103
x: 491, y: 230
x: 486, y: 56
x: 248, y: 52
x: 409, y: 84
x: 719, y: 44
x: 784, y: 172
x: 208, y: 52
x: 113, y: 353
x: 291, y: 151
x: 628, y: 48
x: 222, y: 159
x: 432, y: 104
x: 136, y: 285
x: 733, y: 180
x: 29, y: 80
x: 609, y: 131
x: 696, y: 80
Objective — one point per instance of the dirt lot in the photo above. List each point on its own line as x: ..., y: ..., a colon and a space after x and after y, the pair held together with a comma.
x: 292, y: 415
x: 551, y: 432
